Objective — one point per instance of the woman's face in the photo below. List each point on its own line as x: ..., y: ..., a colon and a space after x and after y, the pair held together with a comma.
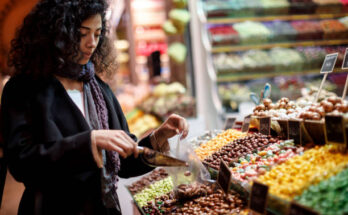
x: 90, y: 32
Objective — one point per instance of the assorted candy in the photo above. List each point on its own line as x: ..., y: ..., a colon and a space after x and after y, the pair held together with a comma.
x: 239, y: 148
x: 218, y: 142
x: 253, y: 165
x: 291, y: 178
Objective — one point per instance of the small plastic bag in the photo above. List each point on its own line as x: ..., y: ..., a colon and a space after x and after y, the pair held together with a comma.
x: 194, y: 172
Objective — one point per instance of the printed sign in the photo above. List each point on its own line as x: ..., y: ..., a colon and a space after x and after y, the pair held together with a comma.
x: 224, y: 177
x: 294, y: 131
x: 329, y: 63
x: 297, y: 209
x: 265, y: 125
x: 229, y: 123
x: 345, y: 60
x: 246, y: 123
x: 334, y: 128
x: 258, y: 197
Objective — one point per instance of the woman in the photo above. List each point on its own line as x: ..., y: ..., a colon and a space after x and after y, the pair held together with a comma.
x: 63, y: 128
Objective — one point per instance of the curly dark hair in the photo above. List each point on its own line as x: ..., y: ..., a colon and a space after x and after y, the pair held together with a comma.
x: 50, y: 34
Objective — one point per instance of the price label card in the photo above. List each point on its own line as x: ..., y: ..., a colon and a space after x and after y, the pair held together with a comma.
x: 294, y: 131
x: 246, y: 123
x: 297, y: 209
x: 329, y: 63
x: 265, y: 125
x: 283, y: 128
x: 229, y: 123
x: 345, y: 60
x: 224, y: 177
x: 258, y: 197
x: 335, y: 129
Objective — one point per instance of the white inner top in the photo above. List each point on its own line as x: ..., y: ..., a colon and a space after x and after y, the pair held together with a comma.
x: 77, y: 97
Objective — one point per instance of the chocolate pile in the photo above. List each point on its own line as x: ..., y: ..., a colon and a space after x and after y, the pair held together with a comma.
x: 239, y: 148
x: 145, y: 181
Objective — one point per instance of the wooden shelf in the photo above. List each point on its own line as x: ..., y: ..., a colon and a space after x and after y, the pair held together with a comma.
x: 236, y: 48
x: 272, y: 18
x: 230, y: 77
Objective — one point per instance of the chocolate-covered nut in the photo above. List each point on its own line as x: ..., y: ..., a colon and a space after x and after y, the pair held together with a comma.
x: 328, y: 106
x: 187, y: 173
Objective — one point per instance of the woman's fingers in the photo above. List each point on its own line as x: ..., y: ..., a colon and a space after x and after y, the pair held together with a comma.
x: 118, y: 149
x: 133, y: 143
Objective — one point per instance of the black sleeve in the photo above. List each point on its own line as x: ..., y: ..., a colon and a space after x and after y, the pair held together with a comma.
x: 131, y: 167
x: 35, y: 161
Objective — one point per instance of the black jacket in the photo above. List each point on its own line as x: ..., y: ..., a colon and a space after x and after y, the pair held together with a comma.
x: 48, y: 147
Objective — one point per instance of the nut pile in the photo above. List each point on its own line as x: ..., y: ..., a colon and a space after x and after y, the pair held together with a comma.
x: 279, y: 109
x: 215, y: 201
x: 239, y: 148
x: 285, y: 109
x: 330, y: 105
x: 145, y: 181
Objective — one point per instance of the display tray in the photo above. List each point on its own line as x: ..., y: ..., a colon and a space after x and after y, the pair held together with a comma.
x: 135, y: 202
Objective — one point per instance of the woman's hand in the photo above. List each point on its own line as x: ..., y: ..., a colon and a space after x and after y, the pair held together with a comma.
x: 115, y: 140
x: 174, y: 125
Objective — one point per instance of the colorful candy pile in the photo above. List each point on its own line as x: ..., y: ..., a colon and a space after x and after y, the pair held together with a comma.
x: 297, y: 174
x: 254, y: 165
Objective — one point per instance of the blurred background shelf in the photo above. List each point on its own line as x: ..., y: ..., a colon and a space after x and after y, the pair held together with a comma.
x: 236, y: 48
x: 225, y: 20
x: 230, y: 77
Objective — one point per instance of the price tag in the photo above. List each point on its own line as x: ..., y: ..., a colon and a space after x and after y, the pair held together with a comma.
x: 265, y: 125
x: 224, y: 177
x: 283, y: 128
x: 297, y: 209
x: 345, y: 60
x: 335, y: 129
x: 294, y: 131
x: 229, y: 123
x: 258, y: 197
x: 329, y: 63
x: 246, y: 123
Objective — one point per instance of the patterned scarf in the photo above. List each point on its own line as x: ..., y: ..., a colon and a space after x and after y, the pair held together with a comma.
x: 98, y: 119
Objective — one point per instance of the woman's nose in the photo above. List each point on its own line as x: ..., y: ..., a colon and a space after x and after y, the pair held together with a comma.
x: 92, y: 41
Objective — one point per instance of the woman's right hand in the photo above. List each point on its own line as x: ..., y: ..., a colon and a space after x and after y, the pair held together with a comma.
x: 115, y: 140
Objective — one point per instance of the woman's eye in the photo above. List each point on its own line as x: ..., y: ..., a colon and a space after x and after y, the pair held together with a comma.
x: 97, y: 35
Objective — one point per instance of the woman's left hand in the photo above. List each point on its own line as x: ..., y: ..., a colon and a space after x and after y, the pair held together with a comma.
x: 174, y: 125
